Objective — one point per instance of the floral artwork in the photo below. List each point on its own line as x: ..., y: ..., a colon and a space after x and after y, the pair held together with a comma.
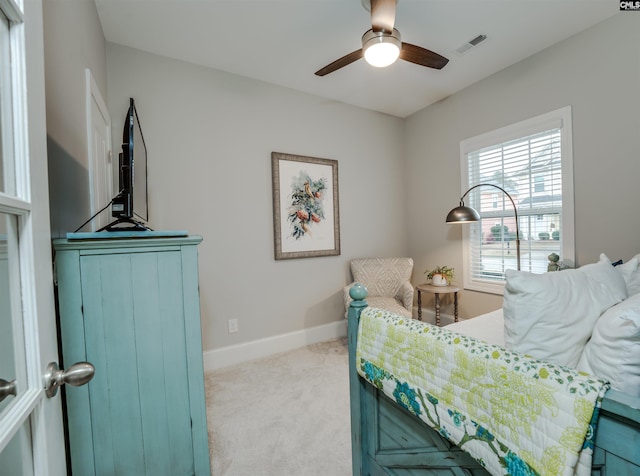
x: 305, y: 206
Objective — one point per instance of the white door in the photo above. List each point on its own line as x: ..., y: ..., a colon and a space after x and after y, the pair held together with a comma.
x: 100, y: 164
x: 31, y: 435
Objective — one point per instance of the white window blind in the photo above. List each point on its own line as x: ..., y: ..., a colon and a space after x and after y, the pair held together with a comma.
x: 531, y: 161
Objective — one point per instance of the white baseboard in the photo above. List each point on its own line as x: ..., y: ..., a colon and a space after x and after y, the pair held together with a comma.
x: 235, y: 354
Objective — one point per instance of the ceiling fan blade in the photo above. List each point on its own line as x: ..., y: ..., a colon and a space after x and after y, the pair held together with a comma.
x: 340, y: 63
x: 383, y: 15
x: 423, y: 57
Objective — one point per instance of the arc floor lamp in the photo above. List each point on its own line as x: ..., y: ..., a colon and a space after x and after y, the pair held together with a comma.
x: 465, y: 214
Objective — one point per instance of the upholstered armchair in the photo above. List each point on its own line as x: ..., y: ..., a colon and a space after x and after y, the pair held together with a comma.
x: 388, y: 283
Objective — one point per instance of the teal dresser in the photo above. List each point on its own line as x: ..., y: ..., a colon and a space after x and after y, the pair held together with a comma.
x: 131, y: 308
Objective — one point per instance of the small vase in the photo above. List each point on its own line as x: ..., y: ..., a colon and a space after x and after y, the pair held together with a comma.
x: 439, y: 280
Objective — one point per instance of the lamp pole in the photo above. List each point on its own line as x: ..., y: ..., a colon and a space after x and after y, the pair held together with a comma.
x: 515, y: 211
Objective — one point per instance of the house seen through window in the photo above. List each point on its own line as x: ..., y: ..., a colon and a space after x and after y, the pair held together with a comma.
x: 532, y: 162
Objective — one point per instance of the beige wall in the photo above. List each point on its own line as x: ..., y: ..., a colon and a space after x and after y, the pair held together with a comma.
x: 73, y: 41
x: 209, y: 137
x: 597, y: 73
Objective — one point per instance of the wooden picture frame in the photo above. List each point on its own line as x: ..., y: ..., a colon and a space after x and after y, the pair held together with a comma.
x: 306, y: 217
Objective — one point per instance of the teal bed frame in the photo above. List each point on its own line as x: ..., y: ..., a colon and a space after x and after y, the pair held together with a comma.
x: 388, y: 440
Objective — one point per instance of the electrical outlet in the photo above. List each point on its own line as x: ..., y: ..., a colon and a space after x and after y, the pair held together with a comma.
x: 233, y: 326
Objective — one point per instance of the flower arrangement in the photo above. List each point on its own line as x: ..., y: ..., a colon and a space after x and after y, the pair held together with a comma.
x: 445, y: 271
x: 306, y: 205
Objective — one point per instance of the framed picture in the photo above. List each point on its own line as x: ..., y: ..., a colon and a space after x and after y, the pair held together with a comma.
x: 305, y: 206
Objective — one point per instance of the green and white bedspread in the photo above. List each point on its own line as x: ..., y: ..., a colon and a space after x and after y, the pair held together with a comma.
x: 512, y: 413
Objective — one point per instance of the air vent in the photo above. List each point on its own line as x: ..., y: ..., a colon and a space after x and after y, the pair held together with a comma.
x: 470, y: 44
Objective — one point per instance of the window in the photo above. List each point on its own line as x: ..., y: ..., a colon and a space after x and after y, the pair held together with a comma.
x: 532, y: 162
x: 539, y: 183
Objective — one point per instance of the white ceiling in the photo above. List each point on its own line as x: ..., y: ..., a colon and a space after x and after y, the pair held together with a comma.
x: 285, y: 41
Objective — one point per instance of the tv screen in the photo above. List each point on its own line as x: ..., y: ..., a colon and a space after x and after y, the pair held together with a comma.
x: 140, y: 205
x: 131, y: 200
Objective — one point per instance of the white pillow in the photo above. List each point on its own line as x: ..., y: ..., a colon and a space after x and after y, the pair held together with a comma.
x: 631, y: 274
x: 551, y: 316
x: 613, y: 352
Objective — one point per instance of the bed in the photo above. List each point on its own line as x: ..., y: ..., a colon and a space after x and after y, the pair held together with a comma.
x: 402, y: 430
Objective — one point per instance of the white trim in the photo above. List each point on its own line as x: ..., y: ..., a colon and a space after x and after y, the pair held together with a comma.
x: 20, y: 120
x: 560, y: 118
x: 6, y: 108
x: 568, y: 217
x: 99, y: 175
x: 22, y: 268
x: 13, y: 205
x: 17, y: 414
x: 551, y: 120
x: 13, y: 10
x: 236, y: 354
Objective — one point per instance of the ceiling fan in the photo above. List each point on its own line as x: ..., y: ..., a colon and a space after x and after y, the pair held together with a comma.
x: 384, y: 37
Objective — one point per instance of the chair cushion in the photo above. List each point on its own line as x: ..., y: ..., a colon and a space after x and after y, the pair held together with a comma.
x: 382, y: 276
x: 388, y: 304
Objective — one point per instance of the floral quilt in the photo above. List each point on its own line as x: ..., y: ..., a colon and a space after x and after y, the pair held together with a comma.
x: 514, y: 414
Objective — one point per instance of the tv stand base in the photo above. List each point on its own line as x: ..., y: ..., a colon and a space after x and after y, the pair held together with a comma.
x: 134, y: 225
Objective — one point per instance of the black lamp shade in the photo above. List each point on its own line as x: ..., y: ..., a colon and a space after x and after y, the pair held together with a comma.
x: 463, y: 214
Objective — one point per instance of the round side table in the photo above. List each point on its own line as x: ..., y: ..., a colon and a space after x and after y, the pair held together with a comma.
x: 436, y: 291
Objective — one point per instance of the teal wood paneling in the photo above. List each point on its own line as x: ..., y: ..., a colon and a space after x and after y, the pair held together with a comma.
x: 150, y: 354
x: 191, y: 292
x: 621, y: 467
x: 174, y: 371
x: 407, y: 442
x: 110, y: 335
x: 399, y: 430
x: 622, y: 405
x: 608, y: 464
x: 110, y: 245
x: 131, y: 307
x: 357, y: 390
x: 73, y: 341
x: 619, y: 437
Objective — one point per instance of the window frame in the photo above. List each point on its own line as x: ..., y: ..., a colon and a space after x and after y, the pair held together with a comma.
x: 15, y: 202
x: 559, y: 118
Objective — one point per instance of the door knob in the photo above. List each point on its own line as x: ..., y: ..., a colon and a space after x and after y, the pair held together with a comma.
x: 76, y: 375
x: 7, y: 388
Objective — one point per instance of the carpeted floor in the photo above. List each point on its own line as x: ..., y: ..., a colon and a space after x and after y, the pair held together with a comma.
x: 286, y: 415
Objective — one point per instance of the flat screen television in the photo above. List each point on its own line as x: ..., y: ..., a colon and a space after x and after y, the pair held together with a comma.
x: 130, y: 206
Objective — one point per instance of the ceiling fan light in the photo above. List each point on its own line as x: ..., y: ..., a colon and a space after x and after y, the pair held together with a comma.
x: 381, y: 54
x: 380, y: 48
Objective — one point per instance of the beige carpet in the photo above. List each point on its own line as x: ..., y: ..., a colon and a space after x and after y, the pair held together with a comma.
x: 286, y: 415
